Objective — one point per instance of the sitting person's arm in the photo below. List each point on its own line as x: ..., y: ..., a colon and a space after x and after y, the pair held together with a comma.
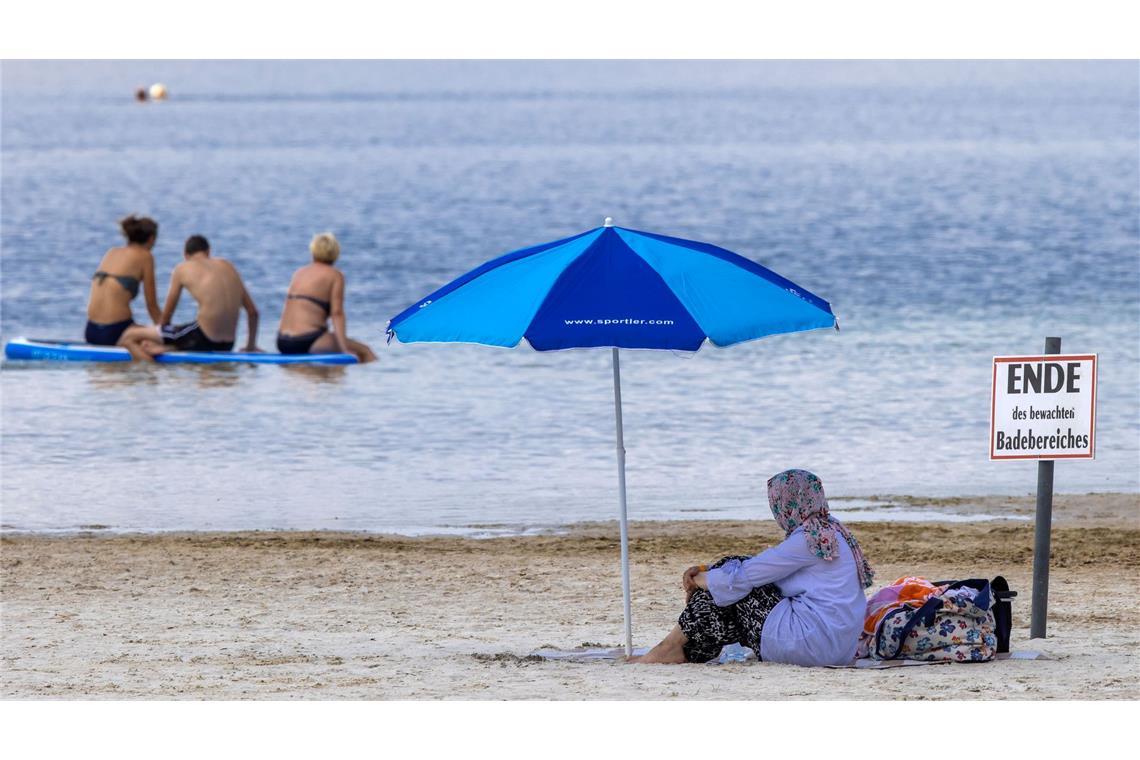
x: 252, y: 317
x: 149, y: 293
x: 336, y: 313
x: 172, y: 296
x: 250, y: 312
x: 732, y: 581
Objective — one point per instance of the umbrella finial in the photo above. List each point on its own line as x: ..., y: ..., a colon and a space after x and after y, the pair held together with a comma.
x: 609, y: 222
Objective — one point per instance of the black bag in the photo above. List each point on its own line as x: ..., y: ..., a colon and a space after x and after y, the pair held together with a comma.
x: 1003, y: 612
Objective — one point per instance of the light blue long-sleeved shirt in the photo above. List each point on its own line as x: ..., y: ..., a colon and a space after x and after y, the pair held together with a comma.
x: 819, y: 620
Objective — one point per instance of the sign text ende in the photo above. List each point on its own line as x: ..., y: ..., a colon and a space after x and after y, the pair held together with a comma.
x: 1042, y: 377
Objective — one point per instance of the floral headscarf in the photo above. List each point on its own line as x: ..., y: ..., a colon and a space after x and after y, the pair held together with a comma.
x: 797, y: 500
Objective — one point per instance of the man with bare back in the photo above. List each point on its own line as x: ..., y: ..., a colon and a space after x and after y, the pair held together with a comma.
x: 217, y: 287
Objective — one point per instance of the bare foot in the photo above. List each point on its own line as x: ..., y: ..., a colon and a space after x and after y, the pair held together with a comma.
x: 139, y: 353
x: 141, y: 344
x: 659, y: 656
x: 363, y: 353
x: 671, y: 651
x: 153, y: 350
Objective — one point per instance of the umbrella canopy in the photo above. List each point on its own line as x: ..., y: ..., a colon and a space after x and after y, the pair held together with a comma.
x: 617, y: 288
x: 614, y: 287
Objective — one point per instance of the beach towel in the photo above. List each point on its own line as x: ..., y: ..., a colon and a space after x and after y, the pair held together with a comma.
x: 730, y: 654
x: 868, y: 664
x: 611, y: 655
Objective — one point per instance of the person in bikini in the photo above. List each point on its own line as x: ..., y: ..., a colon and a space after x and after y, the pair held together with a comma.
x: 217, y: 287
x: 316, y: 295
x: 117, y: 282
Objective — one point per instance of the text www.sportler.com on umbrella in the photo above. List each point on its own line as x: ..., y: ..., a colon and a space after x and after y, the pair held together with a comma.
x: 625, y: 321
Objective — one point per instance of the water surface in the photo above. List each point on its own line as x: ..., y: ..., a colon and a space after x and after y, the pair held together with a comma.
x: 949, y: 213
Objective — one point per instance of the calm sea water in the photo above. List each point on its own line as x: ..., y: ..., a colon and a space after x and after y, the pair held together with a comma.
x: 949, y: 212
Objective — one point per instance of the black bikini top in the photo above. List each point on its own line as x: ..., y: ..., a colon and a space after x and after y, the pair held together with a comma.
x: 323, y: 304
x: 130, y: 284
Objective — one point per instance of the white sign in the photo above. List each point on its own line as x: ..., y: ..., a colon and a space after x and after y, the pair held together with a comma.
x: 1043, y: 407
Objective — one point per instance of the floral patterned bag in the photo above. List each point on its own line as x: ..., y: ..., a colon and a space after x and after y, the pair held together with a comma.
x: 956, y: 624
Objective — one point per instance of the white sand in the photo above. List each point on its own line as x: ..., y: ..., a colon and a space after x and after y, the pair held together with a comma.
x: 344, y: 616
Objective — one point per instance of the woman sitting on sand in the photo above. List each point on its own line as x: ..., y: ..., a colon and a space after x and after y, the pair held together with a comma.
x: 800, y: 602
x: 116, y: 283
x: 316, y: 294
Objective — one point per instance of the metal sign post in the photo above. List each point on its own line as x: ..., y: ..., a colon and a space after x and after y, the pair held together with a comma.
x: 1042, y: 532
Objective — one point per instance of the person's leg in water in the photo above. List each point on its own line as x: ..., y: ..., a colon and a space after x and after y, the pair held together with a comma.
x: 326, y: 344
x: 144, y: 343
x: 363, y: 353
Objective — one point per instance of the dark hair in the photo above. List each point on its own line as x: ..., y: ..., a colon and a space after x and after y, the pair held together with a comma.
x: 138, y: 229
x: 196, y: 244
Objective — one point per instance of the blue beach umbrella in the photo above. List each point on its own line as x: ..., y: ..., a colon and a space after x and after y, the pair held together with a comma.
x: 615, y: 288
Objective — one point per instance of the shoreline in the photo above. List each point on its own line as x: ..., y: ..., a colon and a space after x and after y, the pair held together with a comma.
x: 323, y: 615
x: 1088, y: 509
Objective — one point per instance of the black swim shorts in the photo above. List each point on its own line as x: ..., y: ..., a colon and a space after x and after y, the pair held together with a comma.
x: 190, y: 337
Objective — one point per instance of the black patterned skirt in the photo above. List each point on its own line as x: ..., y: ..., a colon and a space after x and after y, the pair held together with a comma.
x: 709, y: 627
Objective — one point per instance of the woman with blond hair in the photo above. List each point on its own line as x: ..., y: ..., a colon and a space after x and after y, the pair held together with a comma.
x: 316, y: 294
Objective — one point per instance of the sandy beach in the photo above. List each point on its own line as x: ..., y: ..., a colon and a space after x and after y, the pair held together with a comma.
x: 359, y: 616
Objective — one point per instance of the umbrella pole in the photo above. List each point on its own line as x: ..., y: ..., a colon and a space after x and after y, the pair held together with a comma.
x: 624, y: 523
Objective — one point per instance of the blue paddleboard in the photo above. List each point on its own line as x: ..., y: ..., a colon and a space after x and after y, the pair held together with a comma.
x: 27, y: 349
